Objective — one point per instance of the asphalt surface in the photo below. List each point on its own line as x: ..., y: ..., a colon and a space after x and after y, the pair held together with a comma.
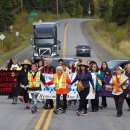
x: 14, y: 117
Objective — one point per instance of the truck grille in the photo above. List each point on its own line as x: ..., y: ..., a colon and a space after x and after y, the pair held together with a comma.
x: 45, y: 51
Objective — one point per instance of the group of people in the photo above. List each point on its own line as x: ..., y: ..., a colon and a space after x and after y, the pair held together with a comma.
x: 88, y: 73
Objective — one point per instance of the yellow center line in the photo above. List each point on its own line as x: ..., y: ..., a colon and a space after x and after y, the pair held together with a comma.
x: 39, y: 123
x: 65, y: 43
x: 46, y: 126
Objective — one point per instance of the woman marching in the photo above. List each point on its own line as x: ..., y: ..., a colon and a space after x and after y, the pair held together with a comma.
x: 62, y: 83
x: 97, y: 79
x: 119, y: 87
x: 23, y: 81
x: 107, y: 77
x: 84, y: 79
x: 127, y: 73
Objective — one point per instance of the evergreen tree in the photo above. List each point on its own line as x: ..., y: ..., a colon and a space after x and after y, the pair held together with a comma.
x: 121, y: 11
x: 2, y: 22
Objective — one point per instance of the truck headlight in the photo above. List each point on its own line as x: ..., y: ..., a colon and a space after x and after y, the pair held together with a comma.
x: 53, y: 54
x: 35, y: 54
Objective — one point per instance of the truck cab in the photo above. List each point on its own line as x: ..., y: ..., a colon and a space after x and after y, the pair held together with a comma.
x: 45, y: 42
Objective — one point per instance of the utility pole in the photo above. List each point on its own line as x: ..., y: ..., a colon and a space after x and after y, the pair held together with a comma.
x: 21, y: 5
x: 89, y: 10
x: 57, y: 7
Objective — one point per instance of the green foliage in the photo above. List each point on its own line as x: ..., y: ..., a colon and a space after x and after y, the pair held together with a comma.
x: 103, y: 6
x: 6, y: 14
x: 121, y: 11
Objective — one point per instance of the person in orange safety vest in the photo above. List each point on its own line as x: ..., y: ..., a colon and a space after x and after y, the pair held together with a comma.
x: 62, y: 83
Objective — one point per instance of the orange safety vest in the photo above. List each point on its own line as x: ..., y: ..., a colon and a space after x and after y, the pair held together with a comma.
x: 34, y: 82
x: 61, y: 85
x: 116, y: 82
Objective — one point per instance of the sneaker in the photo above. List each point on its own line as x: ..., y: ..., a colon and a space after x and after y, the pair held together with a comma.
x: 45, y: 107
x: 128, y: 109
x: 63, y: 111
x: 27, y: 108
x: 60, y: 109
x: 78, y: 113
x: 14, y: 102
x: 119, y: 115
x: 34, y: 110
x: 56, y: 111
x: 85, y: 113
x: 101, y: 107
x: 50, y: 107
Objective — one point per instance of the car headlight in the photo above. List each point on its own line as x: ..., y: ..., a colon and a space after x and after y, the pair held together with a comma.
x: 35, y: 54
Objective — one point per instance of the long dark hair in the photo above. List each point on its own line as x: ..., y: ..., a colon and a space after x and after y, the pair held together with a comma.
x: 9, y: 64
x: 42, y: 63
x: 102, y: 65
x: 86, y: 69
x: 73, y: 68
x: 107, y: 70
x: 97, y: 69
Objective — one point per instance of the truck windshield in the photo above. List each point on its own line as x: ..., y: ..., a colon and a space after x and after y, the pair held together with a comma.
x: 44, y: 41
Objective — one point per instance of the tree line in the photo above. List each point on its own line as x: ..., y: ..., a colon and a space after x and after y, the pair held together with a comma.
x: 110, y: 10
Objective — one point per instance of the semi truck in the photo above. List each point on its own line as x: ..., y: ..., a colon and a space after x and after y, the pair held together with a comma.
x: 45, y: 41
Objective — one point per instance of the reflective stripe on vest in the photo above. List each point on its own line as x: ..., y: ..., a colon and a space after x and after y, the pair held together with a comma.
x: 34, y: 82
x: 18, y: 68
x: 122, y: 79
x: 60, y: 83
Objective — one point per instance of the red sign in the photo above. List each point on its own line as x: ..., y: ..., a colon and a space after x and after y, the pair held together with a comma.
x: 8, y: 81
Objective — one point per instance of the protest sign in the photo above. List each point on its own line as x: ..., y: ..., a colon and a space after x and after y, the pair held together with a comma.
x: 50, y: 91
x: 8, y: 81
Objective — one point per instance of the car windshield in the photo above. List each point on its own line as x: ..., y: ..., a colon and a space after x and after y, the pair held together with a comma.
x: 44, y: 41
x: 84, y: 46
x: 112, y: 64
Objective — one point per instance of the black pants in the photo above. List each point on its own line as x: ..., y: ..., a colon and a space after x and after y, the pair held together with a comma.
x: 128, y: 102
x: 49, y: 102
x: 15, y: 91
x: 104, y: 101
x: 95, y: 102
x: 119, y: 100
x: 128, y: 98
x: 58, y: 103
x: 26, y: 96
x: 83, y: 101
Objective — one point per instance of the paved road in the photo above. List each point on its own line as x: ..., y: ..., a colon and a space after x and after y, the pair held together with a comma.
x: 14, y: 117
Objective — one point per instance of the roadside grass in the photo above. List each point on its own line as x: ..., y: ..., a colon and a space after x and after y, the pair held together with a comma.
x: 23, y: 25
x: 112, y: 38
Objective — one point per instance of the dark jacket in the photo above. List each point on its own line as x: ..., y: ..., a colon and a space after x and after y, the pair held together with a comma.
x: 107, y: 76
x: 86, y: 78
x: 48, y: 70
x: 23, y: 77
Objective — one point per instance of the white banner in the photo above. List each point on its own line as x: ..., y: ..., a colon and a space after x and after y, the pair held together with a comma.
x: 50, y: 92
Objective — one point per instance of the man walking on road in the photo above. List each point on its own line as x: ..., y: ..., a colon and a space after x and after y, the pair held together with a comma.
x: 34, y: 85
